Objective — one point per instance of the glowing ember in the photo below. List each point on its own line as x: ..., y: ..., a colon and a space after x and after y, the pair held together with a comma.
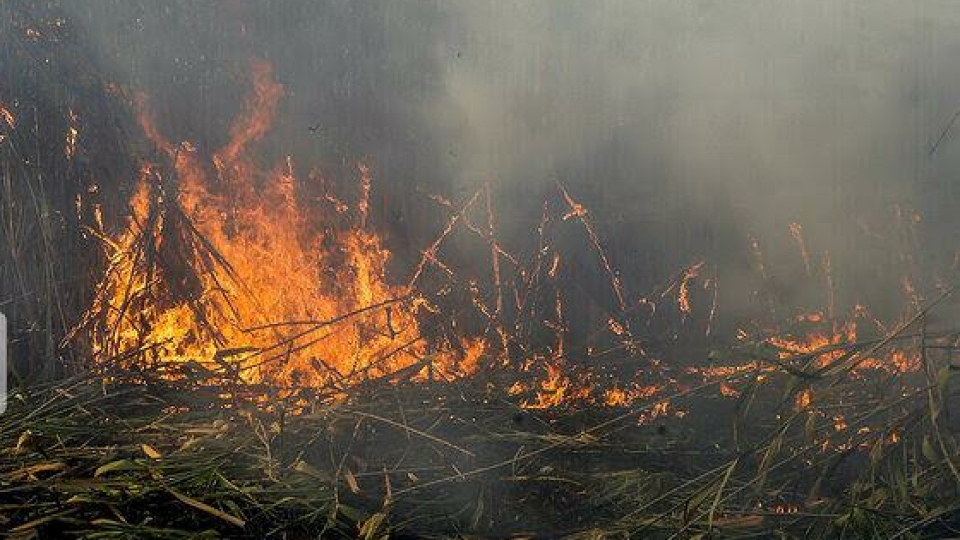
x: 804, y: 398
x: 683, y: 297
x: 7, y: 116
x: 73, y: 133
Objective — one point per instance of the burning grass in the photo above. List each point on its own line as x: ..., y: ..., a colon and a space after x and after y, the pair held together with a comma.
x: 256, y: 372
x: 229, y: 267
x: 856, y: 458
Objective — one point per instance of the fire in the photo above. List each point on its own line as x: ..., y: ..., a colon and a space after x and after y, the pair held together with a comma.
x: 231, y: 270
x: 825, y: 335
x: 553, y: 389
x: 620, y: 397
x: 826, y: 339
x: 7, y: 116
x: 804, y: 399
x: 235, y: 270
x: 73, y: 133
x: 683, y: 296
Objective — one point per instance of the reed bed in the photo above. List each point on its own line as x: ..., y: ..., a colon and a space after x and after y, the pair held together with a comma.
x: 781, y: 447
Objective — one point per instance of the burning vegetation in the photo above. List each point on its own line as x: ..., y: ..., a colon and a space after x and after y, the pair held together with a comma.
x: 225, y: 268
x: 256, y: 364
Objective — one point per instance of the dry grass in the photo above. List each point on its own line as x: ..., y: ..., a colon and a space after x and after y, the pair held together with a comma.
x: 190, y: 459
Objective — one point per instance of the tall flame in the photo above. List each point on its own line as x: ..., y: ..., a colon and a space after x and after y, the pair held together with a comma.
x: 232, y: 271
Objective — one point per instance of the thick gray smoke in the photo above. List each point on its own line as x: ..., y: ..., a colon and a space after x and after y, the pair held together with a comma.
x: 692, y: 118
x: 685, y: 126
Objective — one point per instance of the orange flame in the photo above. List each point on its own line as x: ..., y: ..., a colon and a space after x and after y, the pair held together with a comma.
x: 231, y: 270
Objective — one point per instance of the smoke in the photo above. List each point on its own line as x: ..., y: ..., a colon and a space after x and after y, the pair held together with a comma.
x: 686, y: 126
x: 690, y: 126
x: 671, y: 114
